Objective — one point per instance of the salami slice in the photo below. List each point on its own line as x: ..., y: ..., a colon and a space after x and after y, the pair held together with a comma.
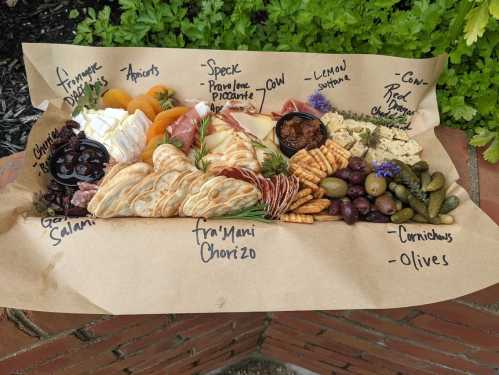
x: 277, y: 192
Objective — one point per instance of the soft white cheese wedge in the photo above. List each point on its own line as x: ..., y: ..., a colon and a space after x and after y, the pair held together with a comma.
x: 123, y: 135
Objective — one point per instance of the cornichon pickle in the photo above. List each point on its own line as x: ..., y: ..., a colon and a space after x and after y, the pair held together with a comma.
x: 406, y: 175
x: 437, y: 182
x: 446, y: 219
x: 435, y: 203
x: 402, y: 216
x: 420, y: 166
x: 392, y: 185
x: 417, y: 205
x: 399, y: 205
x: 401, y: 193
x: 425, y: 180
x: 419, y: 218
x: 449, y: 204
x: 436, y: 220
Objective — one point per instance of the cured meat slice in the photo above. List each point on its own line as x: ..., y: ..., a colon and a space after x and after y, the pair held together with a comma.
x: 293, y: 105
x: 277, y: 192
x: 185, y: 128
x: 84, y: 194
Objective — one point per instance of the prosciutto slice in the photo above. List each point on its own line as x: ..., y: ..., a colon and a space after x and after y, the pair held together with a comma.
x: 84, y: 194
x: 235, y: 106
x: 293, y: 105
x: 186, y: 126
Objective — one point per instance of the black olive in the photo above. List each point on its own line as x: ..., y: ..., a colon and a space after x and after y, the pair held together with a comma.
x: 362, y: 205
x: 87, y: 155
x: 350, y: 213
x: 355, y: 191
x: 357, y: 164
x: 377, y: 217
x: 84, y: 169
x: 66, y: 169
x: 344, y: 174
x: 335, y: 208
x: 357, y: 177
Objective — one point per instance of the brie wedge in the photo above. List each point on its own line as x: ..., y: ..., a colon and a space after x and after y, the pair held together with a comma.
x: 123, y: 135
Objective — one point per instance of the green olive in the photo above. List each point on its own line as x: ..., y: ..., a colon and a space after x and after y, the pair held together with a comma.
x: 375, y: 185
x: 334, y: 187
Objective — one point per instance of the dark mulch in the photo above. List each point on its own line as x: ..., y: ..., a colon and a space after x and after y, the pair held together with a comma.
x: 28, y: 21
x: 257, y: 366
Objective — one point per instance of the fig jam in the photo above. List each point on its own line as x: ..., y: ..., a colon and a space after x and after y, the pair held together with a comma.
x: 300, y: 130
x: 302, y: 133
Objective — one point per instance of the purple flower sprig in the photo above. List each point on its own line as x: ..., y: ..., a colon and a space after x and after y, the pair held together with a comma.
x: 386, y: 169
x: 320, y: 102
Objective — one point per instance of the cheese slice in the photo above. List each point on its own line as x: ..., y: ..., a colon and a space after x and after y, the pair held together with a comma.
x: 258, y: 125
x: 216, y: 139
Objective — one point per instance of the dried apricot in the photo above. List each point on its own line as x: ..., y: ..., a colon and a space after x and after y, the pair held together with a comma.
x: 165, y: 119
x: 150, y: 147
x: 155, y: 90
x: 143, y: 105
x: 154, y: 102
x: 164, y: 95
x: 116, y: 98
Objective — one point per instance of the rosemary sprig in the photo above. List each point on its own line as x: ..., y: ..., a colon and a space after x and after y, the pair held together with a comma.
x: 257, y: 144
x: 390, y: 122
x: 253, y: 213
x: 274, y: 163
x: 90, y: 97
x: 202, y: 151
x: 166, y: 99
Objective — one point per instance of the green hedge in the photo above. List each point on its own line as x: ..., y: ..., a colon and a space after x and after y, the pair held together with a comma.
x: 467, y: 91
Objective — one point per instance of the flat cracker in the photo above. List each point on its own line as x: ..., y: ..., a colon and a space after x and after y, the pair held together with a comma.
x: 313, y: 207
x: 297, y: 218
x: 300, y: 202
x: 302, y: 193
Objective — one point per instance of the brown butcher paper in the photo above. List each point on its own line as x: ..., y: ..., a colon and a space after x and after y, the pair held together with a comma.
x: 135, y: 265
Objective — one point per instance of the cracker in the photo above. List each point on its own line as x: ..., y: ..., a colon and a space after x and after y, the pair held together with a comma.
x: 341, y: 161
x: 319, y: 193
x: 322, y: 160
x: 305, y: 159
x: 302, y: 173
x: 300, y: 201
x: 330, y: 158
x: 336, y: 149
x: 318, y: 172
x: 309, y: 184
x: 295, y: 218
x: 325, y: 217
x: 302, y: 193
x: 313, y: 207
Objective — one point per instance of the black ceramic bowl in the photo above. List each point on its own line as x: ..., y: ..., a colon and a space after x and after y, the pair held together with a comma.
x: 287, y: 149
x: 70, y: 164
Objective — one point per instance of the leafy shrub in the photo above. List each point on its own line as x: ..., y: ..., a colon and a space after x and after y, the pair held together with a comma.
x: 466, y: 29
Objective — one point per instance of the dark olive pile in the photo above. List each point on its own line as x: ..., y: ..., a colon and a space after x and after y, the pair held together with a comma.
x: 79, y: 160
x: 73, y: 159
x: 57, y: 201
x: 409, y: 194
